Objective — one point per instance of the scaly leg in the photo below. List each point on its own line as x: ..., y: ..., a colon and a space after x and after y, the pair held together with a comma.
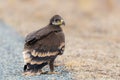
x: 51, y: 66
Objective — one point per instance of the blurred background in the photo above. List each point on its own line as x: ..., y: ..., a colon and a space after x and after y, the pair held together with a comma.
x: 81, y: 16
x: 92, y: 31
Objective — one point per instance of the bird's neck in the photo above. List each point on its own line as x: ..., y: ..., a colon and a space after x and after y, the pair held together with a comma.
x: 55, y: 27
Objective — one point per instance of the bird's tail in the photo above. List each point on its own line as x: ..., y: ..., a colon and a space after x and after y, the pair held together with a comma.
x: 34, y: 67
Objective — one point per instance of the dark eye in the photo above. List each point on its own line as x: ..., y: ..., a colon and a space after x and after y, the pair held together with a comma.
x: 57, y: 20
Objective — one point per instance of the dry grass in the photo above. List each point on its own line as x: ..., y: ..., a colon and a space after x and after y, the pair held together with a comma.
x: 92, y: 32
x: 93, y: 59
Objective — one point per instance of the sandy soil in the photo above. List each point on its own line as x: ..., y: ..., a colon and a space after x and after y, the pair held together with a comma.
x: 92, y: 32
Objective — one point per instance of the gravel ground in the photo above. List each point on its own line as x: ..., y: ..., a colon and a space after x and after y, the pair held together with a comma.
x: 92, y: 36
x: 11, y: 62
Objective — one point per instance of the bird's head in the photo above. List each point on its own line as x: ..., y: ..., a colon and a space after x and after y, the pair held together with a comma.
x: 57, y: 20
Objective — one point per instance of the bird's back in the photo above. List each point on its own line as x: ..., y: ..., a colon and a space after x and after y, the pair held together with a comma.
x: 47, y: 37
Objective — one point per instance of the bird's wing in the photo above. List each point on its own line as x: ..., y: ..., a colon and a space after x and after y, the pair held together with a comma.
x: 36, y: 35
x: 52, y: 43
x: 45, y: 48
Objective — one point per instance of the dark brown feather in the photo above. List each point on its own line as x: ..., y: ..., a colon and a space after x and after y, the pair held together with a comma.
x: 45, y: 43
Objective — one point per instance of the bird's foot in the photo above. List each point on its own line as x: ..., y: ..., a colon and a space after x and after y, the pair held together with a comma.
x: 53, y: 72
x: 42, y: 72
x: 28, y: 73
x: 32, y: 73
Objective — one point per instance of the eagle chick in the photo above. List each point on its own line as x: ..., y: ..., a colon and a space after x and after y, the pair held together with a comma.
x: 43, y: 46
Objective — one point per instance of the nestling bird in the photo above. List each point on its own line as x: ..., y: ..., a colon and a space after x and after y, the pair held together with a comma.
x: 43, y: 46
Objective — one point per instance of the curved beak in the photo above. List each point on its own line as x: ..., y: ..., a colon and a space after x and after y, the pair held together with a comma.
x: 62, y: 22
